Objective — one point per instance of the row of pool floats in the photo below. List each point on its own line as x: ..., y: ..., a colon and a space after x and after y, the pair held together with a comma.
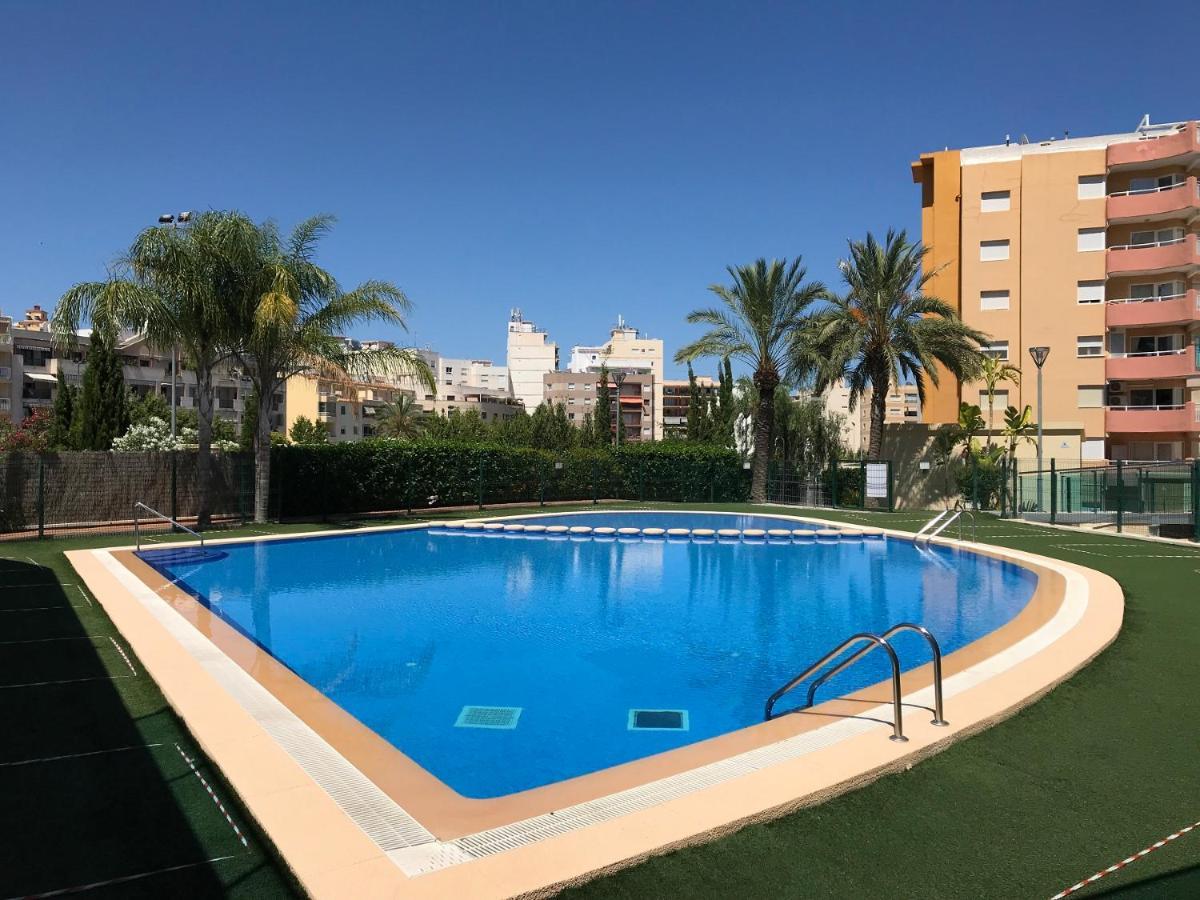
x: 693, y: 535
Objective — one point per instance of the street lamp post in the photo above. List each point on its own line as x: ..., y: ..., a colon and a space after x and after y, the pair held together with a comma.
x: 174, y: 221
x: 1039, y: 355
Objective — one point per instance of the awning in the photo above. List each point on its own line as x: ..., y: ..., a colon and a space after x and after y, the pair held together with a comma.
x: 38, y: 376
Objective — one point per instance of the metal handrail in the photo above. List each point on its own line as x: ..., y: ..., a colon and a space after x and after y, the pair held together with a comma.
x: 938, y: 717
x: 963, y: 511
x: 875, y: 640
x: 1157, y: 298
x: 1154, y: 190
x: 930, y: 524
x: 137, y: 525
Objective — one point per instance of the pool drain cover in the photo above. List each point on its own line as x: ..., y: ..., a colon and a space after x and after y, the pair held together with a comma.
x: 504, y: 717
x: 658, y: 720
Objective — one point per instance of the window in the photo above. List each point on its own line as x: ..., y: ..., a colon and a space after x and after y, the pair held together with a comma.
x: 993, y: 300
x: 343, y: 431
x: 449, y: 370
x: 1090, y: 239
x: 995, y: 349
x: 1153, y: 183
x: 1091, y: 187
x: 993, y: 251
x: 1092, y: 449
x: 1090, y: 396
x: 1090, y: 292
x: 571, y: 416
x: 994, y: 201
x: 1155, y: 343
x: 571, y: 386
x: 1089, y: 345
x: 999, y: 400
x: 1152, y: 237
x: 343, y: 410
x: 1161, y: 289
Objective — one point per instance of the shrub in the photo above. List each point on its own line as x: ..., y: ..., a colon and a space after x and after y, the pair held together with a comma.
x: 381, y: 474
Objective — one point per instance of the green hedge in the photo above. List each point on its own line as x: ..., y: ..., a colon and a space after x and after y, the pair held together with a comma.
x: 380, y: 475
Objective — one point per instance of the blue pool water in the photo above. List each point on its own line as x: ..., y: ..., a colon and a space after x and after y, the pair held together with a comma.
x: 404, y: 629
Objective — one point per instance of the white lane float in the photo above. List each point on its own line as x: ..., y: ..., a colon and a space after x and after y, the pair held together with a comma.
x: 753, y: 534
x: 827, y: 535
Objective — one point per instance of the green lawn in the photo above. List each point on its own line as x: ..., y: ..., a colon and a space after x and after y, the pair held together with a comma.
x: 1100, y: 768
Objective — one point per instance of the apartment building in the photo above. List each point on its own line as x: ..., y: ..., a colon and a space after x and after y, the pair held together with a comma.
x: 9, y: 405
x: 1087, y: 246
x: 677, y: 397
x: 630, y: 352
x: 531, y: 355
x: 348, y: 410
x: 631, y: 396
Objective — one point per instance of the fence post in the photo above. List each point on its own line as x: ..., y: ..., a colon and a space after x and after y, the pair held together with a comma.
x: 833, y: 484
x: 174, y: 488
x: 1004, y: 487
x: 1120, y: 496
x: 641, y: 481
x: 1196, y: 500
x: 241, y: 470
x: 712, y: 477
x: 542, y: 483
x: 891, y: 492
x: 1053, y: 492
x: 595, y: 496
x: 41, y: 501
x: 975, y: 481
x: 862, y: 489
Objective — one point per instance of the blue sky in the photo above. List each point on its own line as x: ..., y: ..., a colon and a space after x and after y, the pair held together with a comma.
x: 578, y: 160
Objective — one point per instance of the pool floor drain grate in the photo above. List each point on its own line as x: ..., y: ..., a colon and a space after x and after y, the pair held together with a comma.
x: 502, y: 717
x: 658, y: 720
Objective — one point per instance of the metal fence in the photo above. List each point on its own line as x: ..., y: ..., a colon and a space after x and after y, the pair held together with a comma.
x: 61, y: 494
x: 850, y: 484
x: 1157, y: 498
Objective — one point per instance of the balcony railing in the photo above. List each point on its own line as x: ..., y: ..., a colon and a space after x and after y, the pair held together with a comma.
x: 1182, y: 417
x: 1148, y: 203
x: 1151, y: 364
x: 1176, y: 254
x: 1169, y: 309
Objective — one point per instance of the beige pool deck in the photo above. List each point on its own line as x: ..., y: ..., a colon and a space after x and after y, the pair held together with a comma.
x: 352, y: 816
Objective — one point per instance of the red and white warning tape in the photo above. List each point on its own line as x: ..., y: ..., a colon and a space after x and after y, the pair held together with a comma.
x: 1126, y: 861
x: 221, y: 806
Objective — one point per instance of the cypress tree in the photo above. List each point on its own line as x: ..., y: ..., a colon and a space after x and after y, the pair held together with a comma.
x: 603, y: 416
x: 103, y: 414
x: 60, y: 436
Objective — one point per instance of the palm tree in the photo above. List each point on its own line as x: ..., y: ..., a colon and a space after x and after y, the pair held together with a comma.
x: 886, y: 329
x: 165, y: 287
x: 993, y: 371
x: 761, y: 319
x: 1019, y: 428
x: 403, y: 419
x: 288, y: 315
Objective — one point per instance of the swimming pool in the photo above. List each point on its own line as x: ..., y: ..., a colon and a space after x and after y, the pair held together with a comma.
x: 504, y: 665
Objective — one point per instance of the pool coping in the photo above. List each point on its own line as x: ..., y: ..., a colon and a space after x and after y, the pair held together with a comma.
x: 349, y: 832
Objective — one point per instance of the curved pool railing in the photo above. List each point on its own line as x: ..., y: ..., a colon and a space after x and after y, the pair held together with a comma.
x: 938, y: 717
x: 875, y: 641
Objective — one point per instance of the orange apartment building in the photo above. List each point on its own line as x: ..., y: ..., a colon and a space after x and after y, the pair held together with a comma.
x: 1087, y: 246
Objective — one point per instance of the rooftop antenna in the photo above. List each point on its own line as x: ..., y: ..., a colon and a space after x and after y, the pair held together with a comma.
x: 1024, y: 139
x: 1145, y: 123
x: 1007, y: 139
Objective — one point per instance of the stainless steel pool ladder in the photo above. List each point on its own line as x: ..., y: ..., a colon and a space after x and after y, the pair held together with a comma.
x: 872, y: 641
x: 944, y: 520
x: 137, y: 524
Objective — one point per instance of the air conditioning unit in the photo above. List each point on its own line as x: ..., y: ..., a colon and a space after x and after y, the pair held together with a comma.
x: 1114, y: 386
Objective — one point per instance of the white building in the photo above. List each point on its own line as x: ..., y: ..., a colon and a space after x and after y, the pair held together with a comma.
x: 627, y: 351
x: 531, y: 356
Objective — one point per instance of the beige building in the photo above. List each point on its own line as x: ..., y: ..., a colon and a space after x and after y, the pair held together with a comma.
x: 677, y: 397
x: 1087, y: 246
x: 348, y: 410
x: 531, y: 355
x: 627, y: 351
x: 631, y: 395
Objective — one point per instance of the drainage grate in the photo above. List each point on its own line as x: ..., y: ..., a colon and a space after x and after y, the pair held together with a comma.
x: 504, y: 717
x: 658, y: 720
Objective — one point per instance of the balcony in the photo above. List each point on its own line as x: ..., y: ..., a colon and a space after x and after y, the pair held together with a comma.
x: 1152, y: 419
x: 1157, y: 150
x: 5, y: 339
x: 1131, y: 312
x: 5, y: 373
x: 1156, y: 203
x: 1152, y: 365
x: 1163, y: 256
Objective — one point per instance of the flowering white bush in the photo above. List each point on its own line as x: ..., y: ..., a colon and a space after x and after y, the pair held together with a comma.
x: 156, y: 435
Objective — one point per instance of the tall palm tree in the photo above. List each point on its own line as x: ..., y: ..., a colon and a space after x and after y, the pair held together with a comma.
x: 289, y: 314
x: 761, y: 318
x: 402, y: 419
x: 885, y: 329
x: 165, y: 287
x: 993, y: 371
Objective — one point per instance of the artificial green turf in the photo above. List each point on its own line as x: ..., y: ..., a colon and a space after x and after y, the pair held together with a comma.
x: 1103, y: 766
